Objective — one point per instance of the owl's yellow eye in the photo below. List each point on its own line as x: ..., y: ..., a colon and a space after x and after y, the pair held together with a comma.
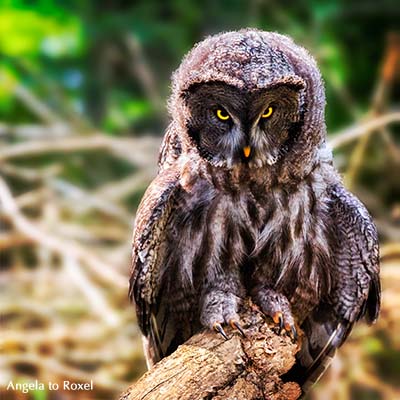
x: 222, y: 114
x: 268, y: 112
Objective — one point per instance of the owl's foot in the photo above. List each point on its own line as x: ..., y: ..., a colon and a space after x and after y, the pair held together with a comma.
x: 276, y: 306
x: 220, y: 308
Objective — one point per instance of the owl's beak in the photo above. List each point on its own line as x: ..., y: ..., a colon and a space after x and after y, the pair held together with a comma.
x: 246, y: 151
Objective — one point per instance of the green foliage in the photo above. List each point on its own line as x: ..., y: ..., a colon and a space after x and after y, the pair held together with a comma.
x: 39, y: 395
x: 30, y: 33
x: 73, y: 54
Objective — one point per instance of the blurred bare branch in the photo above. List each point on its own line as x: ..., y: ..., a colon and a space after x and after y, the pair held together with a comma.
x: 35, y: 131
x: 10, y: 209
x: 115, y: 191
x: 379, y: 105
x: 80, y: 201
x: 135, y: 150
x: 96, y: 299
x: 364, y: 128
x: 141, y: 71
x: 390, y: 251
x: 36, y: 106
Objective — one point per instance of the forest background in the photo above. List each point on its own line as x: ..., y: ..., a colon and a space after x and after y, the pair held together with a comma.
x: 83, y: 90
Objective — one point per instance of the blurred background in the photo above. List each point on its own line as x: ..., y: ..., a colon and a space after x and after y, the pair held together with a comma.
x: 83, y: 88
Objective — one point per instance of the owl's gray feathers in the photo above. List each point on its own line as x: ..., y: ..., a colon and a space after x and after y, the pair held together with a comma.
x: 149, y: 254
x: 216, y: 226
x: 356, y: 257
x: 356, y: 292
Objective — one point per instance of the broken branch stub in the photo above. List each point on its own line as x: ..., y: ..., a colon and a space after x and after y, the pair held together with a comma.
x: 210, y: 367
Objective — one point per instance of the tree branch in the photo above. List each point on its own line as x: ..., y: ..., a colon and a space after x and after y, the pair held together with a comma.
x: 364, y: 128
x: 208, y: 367
x: 134, y: 150
x: 47, y: 240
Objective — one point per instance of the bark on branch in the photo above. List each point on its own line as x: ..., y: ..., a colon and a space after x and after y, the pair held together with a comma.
x: 209, y: 367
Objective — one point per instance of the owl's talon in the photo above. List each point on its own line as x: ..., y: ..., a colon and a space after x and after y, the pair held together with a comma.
x: 291, y: 331
x: 219, y: 308
x: 294, y: 333
x: 280, y: 323
x: 235, y: 325
x: 219, y: 329
x: 276, y: 306
x: 278, y: 319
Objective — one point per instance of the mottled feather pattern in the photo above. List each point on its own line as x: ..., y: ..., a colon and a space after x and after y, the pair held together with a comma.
x: 147, y: 240
x: 171, y: 148
x: 357, y: 257
x: 216, y: 225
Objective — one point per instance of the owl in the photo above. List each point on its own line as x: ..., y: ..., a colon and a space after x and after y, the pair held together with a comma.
x: 247, y: 203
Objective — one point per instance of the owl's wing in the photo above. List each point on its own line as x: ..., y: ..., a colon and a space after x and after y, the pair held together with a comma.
x: 148, y: 254
x: 357, y: 258
x: 171, y: 148
x: 357, y: 287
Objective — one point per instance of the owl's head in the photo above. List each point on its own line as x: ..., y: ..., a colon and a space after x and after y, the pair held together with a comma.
x: 250, y: 98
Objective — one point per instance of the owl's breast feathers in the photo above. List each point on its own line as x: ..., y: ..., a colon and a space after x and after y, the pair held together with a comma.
x: 237, y: 223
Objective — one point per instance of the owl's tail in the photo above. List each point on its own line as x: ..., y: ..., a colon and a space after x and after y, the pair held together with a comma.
x: 323, y: 334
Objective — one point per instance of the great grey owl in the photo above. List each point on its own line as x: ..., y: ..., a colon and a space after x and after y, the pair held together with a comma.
x: 247, y: 202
